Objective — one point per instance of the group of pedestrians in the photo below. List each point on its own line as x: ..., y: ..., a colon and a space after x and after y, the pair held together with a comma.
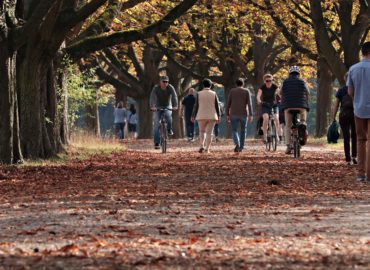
x: 121, y: 117
x: 292, y: 97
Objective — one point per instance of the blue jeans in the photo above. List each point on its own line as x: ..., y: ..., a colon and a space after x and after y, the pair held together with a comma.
x: 238, y: 139
x: 120, y: 127
x: 157, y: 118
x: 189, y: 127
x: 216, y: 130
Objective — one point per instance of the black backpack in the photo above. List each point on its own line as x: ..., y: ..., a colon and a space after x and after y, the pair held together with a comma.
x: 333, y: 132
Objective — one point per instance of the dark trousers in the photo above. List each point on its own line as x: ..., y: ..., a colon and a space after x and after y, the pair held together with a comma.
x: 216, y: 130
x: 348, y: 127
x: 189, y: 128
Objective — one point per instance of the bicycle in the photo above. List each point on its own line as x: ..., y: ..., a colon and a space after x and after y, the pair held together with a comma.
x: 297, y: 137
x: 271, y: 142
x: 163, y: 130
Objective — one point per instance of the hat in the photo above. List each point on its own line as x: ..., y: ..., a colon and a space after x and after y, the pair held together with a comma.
x: 164, y: 78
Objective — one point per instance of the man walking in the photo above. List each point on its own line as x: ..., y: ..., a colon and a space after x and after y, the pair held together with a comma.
x: 187, y: 110
x: 359, y: 88
x: 239, y: 106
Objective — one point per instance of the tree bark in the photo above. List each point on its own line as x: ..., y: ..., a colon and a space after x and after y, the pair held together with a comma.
x: 92, y: 120
x: 145, y: 118
x: 324, y: 95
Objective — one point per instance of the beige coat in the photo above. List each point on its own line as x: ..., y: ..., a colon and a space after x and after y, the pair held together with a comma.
x: 207, y: 109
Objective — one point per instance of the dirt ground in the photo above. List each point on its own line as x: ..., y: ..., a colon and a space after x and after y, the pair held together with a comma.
x: 139, y: 209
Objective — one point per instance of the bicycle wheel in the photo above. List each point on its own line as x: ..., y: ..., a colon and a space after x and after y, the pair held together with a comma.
x: 163, y: 137
x: 296, y: 147
x: 273, y: 136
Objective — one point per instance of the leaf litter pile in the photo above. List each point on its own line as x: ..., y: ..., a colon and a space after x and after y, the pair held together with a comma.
x: 139, y: 209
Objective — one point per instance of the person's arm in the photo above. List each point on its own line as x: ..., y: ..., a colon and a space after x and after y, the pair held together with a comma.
x: 174, y: 99
x: 335, y: 110
x: 195, y: 109
x: 258, y: 97
x: 228, y: 106
x: 250, y: 108
x: 217, y: 107
x: 351, y: 89
x: 153, y: 99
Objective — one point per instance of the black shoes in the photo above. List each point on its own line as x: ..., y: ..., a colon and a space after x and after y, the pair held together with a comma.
x: 354, y: 161
x: 236, y: 149
x: 170, y: 132
x: 201, y: 150
x: 156, y: 146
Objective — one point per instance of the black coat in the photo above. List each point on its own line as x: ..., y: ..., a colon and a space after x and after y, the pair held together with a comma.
x: 294, y: 93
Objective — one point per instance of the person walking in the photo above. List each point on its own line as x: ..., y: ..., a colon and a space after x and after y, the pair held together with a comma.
x: 239, y: 107
x: 346, y: 122
x: 120, y: 116
x: 207, y: 113
x: 132, y: 120
x: 187, y: 110
x: 359, y: 88
x: 163, y: 96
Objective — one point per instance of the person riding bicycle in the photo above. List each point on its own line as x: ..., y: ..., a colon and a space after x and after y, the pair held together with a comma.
x: 163, y: 96
x: 266, y: 96
x: 294, y: 94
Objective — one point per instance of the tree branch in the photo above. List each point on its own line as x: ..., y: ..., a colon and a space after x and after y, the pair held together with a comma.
x: 92, y: 44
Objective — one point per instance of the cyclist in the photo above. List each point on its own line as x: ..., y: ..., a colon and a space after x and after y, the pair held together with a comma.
x: 294, y: 96
x: 163, y: 96
x: 266, y: 96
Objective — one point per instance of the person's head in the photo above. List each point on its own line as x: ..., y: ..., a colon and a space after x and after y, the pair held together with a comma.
x: 239, y: 82
x: 163, y: 81
x: 294, y: 70
x: 365, y: 49
x: 267, y: 78
x: 191, y: 91
x: 132, y: 108
x: 207, y: 83
x: 120, y: 104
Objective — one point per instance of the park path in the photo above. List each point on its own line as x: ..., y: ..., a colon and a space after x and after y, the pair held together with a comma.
x: 139, y: 209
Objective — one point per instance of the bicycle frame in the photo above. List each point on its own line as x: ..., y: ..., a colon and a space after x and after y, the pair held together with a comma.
x: 271, y: 132
x: 163, y: 130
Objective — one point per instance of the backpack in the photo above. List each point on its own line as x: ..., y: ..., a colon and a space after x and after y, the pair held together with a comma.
x: 333, y: 132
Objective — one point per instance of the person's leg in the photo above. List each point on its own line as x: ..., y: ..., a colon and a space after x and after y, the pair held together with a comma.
x: 367, y: 160
x: 209, y: 128
x: 202, y: 131
x: 234, y: 130
x: 187, y: 126
x: 288, y: 125
x: 361, y: 131
x: 345, y: 126
x: 353, y: 138
x: 243, y: 127
x: 265, y: 117
x: 168, y: 116
x: 157, y: 117
x: 191, y: 130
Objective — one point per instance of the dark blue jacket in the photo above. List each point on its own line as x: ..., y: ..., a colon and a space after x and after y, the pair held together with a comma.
x: 294, y: 93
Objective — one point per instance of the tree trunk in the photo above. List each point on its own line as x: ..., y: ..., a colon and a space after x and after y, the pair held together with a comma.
x: 28, y: 78
x: 145, y: 118
x: 62, y: 100
x: 324, y: 95
x: 7, y: 102
x: 92, y: 119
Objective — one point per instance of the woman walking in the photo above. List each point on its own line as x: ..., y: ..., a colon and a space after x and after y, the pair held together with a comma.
x: 207, y: 113
x: 120, y: 115
x: 132, y: 122
x: 346, y: 122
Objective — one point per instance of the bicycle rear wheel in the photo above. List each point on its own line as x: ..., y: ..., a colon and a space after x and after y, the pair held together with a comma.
x: 296, y: 148
x: 273, y: 138
x: 164, y: 137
